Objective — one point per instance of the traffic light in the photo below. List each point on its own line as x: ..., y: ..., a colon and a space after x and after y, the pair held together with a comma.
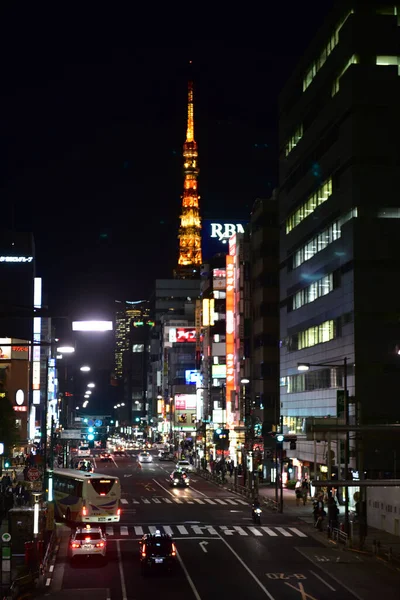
x: 137, y: 419
x: 221, y: 439
x: 7, y: 463
x: 291, y: 439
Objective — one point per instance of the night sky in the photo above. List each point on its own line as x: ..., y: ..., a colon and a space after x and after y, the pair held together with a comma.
x: 92, y: 125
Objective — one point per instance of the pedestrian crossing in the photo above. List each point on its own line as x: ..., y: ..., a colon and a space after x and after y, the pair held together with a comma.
x: 137, y: 531
x: 125, y: 502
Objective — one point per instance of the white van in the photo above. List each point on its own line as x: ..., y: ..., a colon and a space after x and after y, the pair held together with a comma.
x: 83, y: 451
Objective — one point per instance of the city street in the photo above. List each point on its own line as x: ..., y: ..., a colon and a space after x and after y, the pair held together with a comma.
x: 220, y: 551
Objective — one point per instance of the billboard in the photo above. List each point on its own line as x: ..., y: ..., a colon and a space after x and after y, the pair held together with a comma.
x: 182, y: 334
x: 192, y: 376
x: 230, y: 334
x: 216, y: 233
x: 185, y: 401
x: 218, y: 371
x: 13, y: 349
x: 5, y: 348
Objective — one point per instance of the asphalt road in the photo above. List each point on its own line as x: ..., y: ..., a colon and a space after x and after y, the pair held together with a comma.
x: 220, y: 551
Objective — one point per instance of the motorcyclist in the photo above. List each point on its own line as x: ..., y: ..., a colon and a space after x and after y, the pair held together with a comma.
x: 256, y: 504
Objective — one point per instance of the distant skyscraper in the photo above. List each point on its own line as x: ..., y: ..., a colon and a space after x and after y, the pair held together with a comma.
x: 126, y: 312
x: 190, y: 257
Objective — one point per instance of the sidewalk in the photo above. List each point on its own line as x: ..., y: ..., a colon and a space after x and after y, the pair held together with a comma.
x: 375, y: 539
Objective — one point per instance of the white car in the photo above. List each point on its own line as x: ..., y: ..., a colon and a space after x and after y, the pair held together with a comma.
x: 84, y: 451
x: 184, y: 465
x: 145, y: 457
x: 87, y: 541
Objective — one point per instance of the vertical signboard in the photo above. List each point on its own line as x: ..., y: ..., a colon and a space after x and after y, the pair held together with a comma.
x: 230, y: 335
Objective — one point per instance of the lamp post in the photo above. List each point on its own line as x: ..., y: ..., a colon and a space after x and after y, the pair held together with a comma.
x: 306, y: 367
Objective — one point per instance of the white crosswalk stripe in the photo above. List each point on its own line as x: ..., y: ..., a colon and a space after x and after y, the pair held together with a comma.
x: 183, y: 500
x: 203, y: 530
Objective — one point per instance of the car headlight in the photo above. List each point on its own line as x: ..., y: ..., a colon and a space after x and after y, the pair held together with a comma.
x: 176, y: 480
x: 258, y: 511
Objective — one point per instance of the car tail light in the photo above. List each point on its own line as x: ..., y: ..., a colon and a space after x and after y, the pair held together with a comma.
x: 87, y: 539
x: 118, y: 512
x: 75, y: 545
x: 100, y: 545
x: 102, y: 494
x: 173, y: 550
x: 143, y: 551
x: 84, y: 511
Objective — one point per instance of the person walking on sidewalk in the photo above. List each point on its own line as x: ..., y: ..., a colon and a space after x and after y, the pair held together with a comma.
x: 298, y: 493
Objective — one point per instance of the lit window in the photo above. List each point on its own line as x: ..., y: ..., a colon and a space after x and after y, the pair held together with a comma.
x: 316, y: 199
x: 294, y: 140
x: 336, y: 84
x: 388, y: 61
x: 318, y: 334
x: 319, y: 63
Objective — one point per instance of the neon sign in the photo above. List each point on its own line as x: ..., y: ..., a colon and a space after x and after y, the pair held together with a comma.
x: 16, y: 259
x: 184, y: 334
x: 223, y: 231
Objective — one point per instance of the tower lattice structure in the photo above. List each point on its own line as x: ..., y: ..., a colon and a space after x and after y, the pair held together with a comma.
x: 190, y: 257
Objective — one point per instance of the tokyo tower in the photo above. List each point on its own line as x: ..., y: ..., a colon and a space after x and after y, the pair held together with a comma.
x: 189, y: 235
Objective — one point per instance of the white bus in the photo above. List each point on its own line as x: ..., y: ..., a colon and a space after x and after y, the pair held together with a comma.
x: 82, y: 497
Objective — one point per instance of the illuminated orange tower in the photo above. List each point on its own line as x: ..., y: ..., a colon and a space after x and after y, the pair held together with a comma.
x: 190, y: 228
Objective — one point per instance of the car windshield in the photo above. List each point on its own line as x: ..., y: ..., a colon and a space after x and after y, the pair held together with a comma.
x: 184, y: 463
x: 93, y: 535
x: 145, y: 453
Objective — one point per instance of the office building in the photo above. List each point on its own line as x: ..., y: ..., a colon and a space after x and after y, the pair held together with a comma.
x: 339, y: 217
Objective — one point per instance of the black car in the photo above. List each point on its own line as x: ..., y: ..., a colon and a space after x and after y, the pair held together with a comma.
x: 105, y: 457
x: 179, y: 478
x: 157, y: 551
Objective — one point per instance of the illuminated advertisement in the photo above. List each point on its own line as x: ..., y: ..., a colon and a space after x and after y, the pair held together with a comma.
x: 192, y: 376
x: 5, y: 348
x: 218, y: 371
x: 219, y: 279
x: 185, y: 401
x: 208, y: 312
x: 215, y: 235
x: 37, y: 331
x: 230, y: 335
x: 182, y: 334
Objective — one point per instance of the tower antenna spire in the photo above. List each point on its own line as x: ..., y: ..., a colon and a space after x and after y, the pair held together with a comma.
x: 190, y: 257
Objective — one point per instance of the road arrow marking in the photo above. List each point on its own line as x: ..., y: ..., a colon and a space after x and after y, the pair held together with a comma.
x: 203, y: 546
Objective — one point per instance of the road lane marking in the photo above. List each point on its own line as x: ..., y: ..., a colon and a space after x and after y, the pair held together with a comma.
x: 209, y: 500
x: 168, y: 530
x: 297, y: 531
x: 220, y: 501
x: 48, y: 581
x: 163, y: 488
x: 321, y: 568
x: 51, y: 568
x: 114, y: 462
x: 198, y: 491
x: 269, y: 531
x: 124, y: 501
x: 152, y: 529
x: 110, y: 530
x: 250, y: 572
x: 135, y: 501
x: 255, y: 531
x: 203, y: 546
x: 94, y: 460
x: 156, y: 500
x: 231, y: 501
x: 167, y: 500
x: 124, y: 530
x: 323, y: 581
x: 138, y: 530
x: 283, y: 531
x: 178, y: 500
x: 199, y: 501
x: 302, y: 591
x: 145, y: 501
x: 240, y: 530
x: 242, y: 502
x: 182, y: 530
x: 121, y: 572
x: 189, y: 501
x: 190, y: 580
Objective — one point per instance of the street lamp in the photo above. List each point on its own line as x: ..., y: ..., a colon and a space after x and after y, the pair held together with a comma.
x: 66, y: 349
x: 85, y: 369
x: 91, y: 385
x: 306, y: 367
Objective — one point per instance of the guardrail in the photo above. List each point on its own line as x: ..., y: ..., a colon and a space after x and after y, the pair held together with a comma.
x: 340, y: 536
x: 249, y: 493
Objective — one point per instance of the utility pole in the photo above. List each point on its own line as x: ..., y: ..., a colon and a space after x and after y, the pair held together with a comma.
x: 346, y: 446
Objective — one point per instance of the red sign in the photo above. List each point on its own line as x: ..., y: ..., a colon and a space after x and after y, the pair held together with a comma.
x: 186, y: 334
x: 20, y: 408
x: 33, y: 474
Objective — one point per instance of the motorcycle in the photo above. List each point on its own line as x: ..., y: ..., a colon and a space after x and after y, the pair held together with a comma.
x: 256, y: 513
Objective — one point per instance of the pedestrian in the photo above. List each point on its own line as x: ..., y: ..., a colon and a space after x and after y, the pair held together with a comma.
x: 19, y: 494
x: 298, y: 493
